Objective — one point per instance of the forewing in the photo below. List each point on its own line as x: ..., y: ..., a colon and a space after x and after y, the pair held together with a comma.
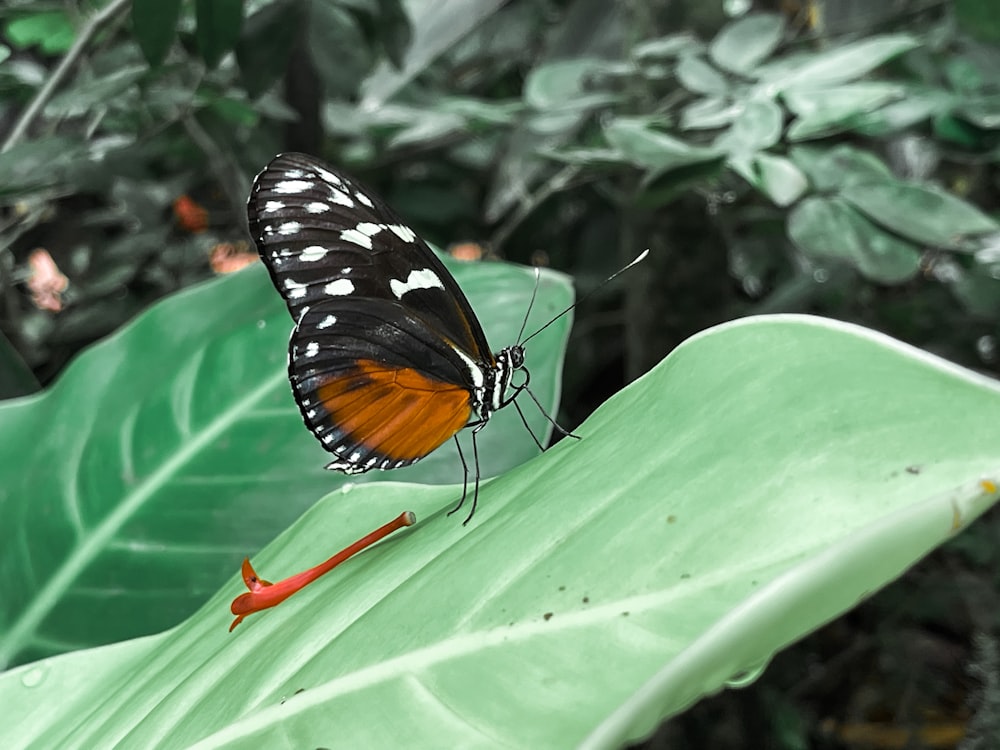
x: 324, y: 236
x: 376, y: 385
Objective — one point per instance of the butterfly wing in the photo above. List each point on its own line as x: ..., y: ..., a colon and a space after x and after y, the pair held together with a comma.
x: 376, y: 386
x: 387, y: 359
x: 322, y: 235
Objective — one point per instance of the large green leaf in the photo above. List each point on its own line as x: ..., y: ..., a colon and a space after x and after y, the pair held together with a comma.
x: 768, y: 475
x: 132, y: 488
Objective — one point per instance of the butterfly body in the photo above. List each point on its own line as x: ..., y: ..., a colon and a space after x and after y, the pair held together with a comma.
x: 387, y: 360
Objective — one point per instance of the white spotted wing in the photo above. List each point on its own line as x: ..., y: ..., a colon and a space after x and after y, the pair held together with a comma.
x: 387, y: 359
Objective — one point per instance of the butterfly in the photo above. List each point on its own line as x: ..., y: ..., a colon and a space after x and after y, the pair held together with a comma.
x: 387, y: 360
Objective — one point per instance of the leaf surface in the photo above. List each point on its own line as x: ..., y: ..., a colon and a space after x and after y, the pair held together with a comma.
x: 768, y: 475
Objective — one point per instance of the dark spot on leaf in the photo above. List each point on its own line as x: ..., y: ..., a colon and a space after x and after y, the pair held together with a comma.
x: 914, y: 469
x: 671, y: 519
x: 685, y: 575
x: 562, y: 588
x: 625, y: 613
x: 547, y: 616
x: 586, y: 600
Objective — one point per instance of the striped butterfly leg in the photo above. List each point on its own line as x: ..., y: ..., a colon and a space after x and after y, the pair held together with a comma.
x: 264, y: 594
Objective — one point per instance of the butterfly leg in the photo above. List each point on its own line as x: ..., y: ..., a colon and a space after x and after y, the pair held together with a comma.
x: 476, y: 427
x: 465, y: 477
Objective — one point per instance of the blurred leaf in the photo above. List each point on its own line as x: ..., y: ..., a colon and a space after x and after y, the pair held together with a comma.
x: 480, y: 110
x: 266, y: 43
x: 837, y: 65
x: 829, y: 228
x: 667, y: 47
x: 978, y: 19
x: 34, y: 164
x: 233, y: 110
x: 913, y: 109
x: 52, y: 31
x: 744, y: 44
x: 338, y: 50
x: 633, y: 584
x: 923, y: 214
x: 394, y: 30
x: 982, y: 111
x: 757, y: 127
x: 428, y: 127
x: 174, y: 448
x: 86, y: 95
x: 710, y: 113
x: 830, y: 168
x: 652, y: 150
x: 562, y: 84
x: 4, y: 52
x: 775, y: 176
x: 978, y: 289
x: 154, y: 23
x: 437, y: 26
x: 217, y: 30
x: 597, y: 158
x: 827, y: 110
x: 698, y: 76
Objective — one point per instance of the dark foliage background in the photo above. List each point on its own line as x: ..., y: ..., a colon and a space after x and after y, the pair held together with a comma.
x: 831, y: 157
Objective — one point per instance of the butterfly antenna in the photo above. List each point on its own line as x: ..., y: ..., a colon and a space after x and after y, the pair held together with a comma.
x: 531, y: 303
x: 638, y: 259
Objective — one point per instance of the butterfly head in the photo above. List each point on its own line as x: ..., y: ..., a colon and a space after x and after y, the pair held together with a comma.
x: 508, y: 361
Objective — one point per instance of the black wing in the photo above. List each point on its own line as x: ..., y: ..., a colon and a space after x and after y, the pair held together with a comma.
x: 323, y: 236
x: 377, y: 386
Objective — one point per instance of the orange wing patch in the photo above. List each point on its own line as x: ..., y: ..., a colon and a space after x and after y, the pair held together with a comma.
x: 398, y: 412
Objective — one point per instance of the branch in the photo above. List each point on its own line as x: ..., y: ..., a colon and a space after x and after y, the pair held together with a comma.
x: 62, y: 70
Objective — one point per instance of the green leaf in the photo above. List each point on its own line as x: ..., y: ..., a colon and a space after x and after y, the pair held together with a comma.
x: 563, y: 84
x: 827, y: 110
x: 395, y: 30
x: 777, y: 177
x: 219, y: 23
x: 266, y: 43
x: 154, y: 23
x: 710, y: 113
x: 653, y: 150
x: 102, y: 91
x: 698, y: 76
x: 923, y: 214
x: 437, y: 27
x: 915, y: 108
x: 830, y: 228
x: 600, y: 589
x: 38, y: 163
x: 743, y: 44
x: 837, y: 65
x: 978, y: 19
x: 667, y: 47
x: 166, y: 453
x: 757, y: 127
x: 830, y: 168
x: 52, y: 31
x: 337, y: 48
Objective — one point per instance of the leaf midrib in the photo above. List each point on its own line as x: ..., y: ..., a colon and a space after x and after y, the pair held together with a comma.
x: 86, y: 550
